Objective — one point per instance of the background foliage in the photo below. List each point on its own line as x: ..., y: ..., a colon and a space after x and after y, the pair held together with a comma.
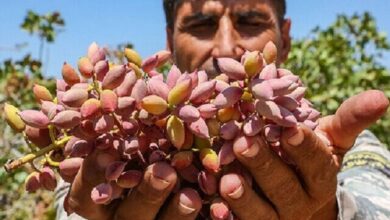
x: 17, y: 78
x: 335, y: 63
x: 342, y: 60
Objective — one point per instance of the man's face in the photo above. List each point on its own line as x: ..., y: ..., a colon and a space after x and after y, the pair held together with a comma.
x: 205, y: 29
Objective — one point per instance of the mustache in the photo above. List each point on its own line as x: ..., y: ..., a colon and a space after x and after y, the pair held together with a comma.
x: 211, y: 67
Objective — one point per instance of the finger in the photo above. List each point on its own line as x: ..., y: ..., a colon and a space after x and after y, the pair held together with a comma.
x: 317, y: 165
x: 185, y: 205
x: 91, y: 173
x: 219, y: 209
x: 243, y: 201
x: 353, y: 116
x: 278, y: 182
x: 145, y: 201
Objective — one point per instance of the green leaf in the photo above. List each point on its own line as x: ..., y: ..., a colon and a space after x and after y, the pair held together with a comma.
x: 341, y: 60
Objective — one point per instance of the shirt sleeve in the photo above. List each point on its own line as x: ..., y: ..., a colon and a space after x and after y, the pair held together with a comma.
x: 364, y: 183
x: 60, y: 194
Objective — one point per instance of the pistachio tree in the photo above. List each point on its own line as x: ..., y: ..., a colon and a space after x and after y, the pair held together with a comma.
x: 341, y: 60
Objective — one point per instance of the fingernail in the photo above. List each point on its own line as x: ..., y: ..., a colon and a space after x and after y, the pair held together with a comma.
x: 219, y: 209
x: 185, y: 209
x: 158, y: 183
x: 251, y: 151
x: 234, y: 186
x: 189, y: 200
x: 237, y: 193
x: 246, y: 146
x: 294, y: 136
x: 159, y: 176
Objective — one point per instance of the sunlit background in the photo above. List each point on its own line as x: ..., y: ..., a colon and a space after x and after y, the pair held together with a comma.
x: 142, y: 23
x: 336, y: 61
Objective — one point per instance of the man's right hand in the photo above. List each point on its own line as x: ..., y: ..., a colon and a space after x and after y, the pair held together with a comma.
x: 143, y: 202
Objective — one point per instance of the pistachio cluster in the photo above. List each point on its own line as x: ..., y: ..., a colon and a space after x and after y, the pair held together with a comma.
x: 184, y: 119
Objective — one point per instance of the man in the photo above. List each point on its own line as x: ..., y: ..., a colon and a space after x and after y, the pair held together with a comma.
x: 197, y: 33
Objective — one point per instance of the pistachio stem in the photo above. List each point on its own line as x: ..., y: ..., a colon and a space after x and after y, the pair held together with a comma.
x: 14, y: 164
x: 50, y: 161
x: 247, y: 81
x: 171, y: 107
x: 118, y: 124
x: 32, y: 146
x: 95, y: 85
x: 51, y: 134
x: 55, y: 100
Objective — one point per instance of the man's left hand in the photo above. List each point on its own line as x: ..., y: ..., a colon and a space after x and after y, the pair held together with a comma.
x: 309, y: 190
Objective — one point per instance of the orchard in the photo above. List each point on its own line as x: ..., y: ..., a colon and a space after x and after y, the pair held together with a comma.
x: 142, y: 116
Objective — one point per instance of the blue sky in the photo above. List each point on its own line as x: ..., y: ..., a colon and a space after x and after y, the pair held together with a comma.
x: 142, y: 23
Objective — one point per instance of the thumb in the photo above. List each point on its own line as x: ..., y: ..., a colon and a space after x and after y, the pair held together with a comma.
x: 353, y: 116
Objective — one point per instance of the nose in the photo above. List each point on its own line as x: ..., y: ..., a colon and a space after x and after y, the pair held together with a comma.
x: 226, y: 40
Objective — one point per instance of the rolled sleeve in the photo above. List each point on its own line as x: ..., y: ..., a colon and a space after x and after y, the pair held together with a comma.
x: 364, y: 183
x: 60, y: 194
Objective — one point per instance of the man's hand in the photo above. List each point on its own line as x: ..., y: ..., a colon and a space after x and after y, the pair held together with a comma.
x: 309, y: 190
x: 143, y: 202
x: 293, y: 194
